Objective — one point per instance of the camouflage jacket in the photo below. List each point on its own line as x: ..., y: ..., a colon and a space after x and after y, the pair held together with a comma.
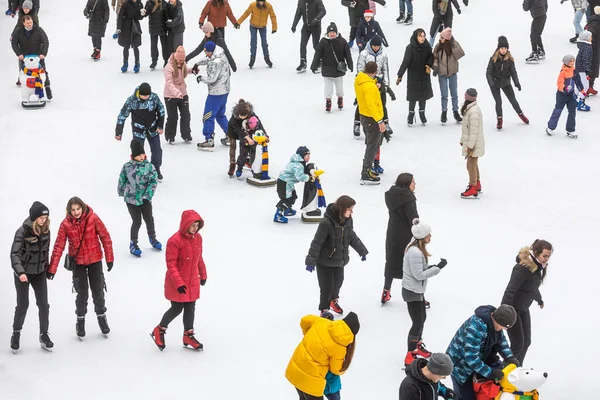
x: 137, y: 182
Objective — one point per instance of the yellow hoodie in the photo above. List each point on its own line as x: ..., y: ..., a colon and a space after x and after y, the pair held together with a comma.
x: 368, y: 97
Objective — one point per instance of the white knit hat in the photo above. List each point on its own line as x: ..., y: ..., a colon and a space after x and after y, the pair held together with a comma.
x: 597, y: 10
x: 420, y: 230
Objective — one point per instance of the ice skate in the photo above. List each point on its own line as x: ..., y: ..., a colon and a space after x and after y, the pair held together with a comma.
x: 581, y: 106
x: 335, y: 307
x: 125, y: 66
x: 499, y: 122
x: 369, y: 178
x: 289, y: 212
x: 189, y: 341
x: 571, y: 135
x: 156, y: 245
x: 302, y: 67
x: 421, y: 350
x: 444, y: 118
x: 15, y: 341
x: 410, y: 120
x: 252, y: 61
x: 408, y: 20
x: 549, y: 131
x: 207, y: 145
x: 457, y: 116
x: 268, y: 62
x: 327, y: 105
x: 158, y: 336
x: 340, y: 103
x: 410, y: 357
x: 422, y: 117
x: 136, y: 67
x: 400, y: 18
x: 103, y: 324
x: 134, y: 249
x: 45, y: 342
x: 470, y: 193
x: 279, y: 218
x: 524, y: 118
x: 80, y: 327
x: 326, y: 314
x: 541, y: 54
x: 533, y: 58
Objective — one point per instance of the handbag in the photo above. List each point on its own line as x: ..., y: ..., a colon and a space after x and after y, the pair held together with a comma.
x: 341, y: 65
x: 88, y: 13
x: 70, y: 262
x: 136, y: 29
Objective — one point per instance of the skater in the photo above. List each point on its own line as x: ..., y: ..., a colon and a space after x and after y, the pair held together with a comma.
x: 356, y: 11
x: 130, y: 32
x: 29, y: 256
x: 98, y: 13
x: 583, y: 68
x: 475, y: 346
x: 472, y: 142
x: 137, y: 184
x: 176, y: 97
x: 442, y: 16
x: 524, y: 287
x: 538, y: 10
x: 186, y: 272
x: 416, y: 271
x: 217, y: 80
x: 593, y: 26
x: 247, y: 145
x: 565, y: 96
x: 330, y: 252
x: 327, y: 347
x: 580, y: 9
x: 85, y: 231
x: 311, y: 12
x: 402, y: 209
x: 211, y: 36
x: 147, y: 121
x: 175, y: 23
x: 500, y: 70
x: 116, y: 6
x: 333, y: 55
x: 218, y: 11
x: 445, y: 65
x: 157, y: 26
x: 418, y: 59
x: 367, y: 29
x: 259, y: 11
x: 423, y: 379
x: 240, y: 115
x: 370, y: 107
x: 405, y: 6
x: 26, y: 7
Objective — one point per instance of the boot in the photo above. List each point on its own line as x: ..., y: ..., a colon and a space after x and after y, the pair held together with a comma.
x: 533, y: 58
x: 549, y: 131
x: 410, y: 357
x: 470, y: 193
x: 252, y: 60
x: 524, y: 118
x: 541, y: 54
x: 231, y: 169
x: 134, y: 249
x: 153, y: 65
x: 80, y: 327
x: 574, y: 38
x: 239, y: 170
x: 125, y: 66
x: 268, y: 62
x: 581, y: 106
x: 208, y: 144
x: 97, y: 56
x: 278, y: 217
x: 377, y: 168
x: 225, y: 141
x: 94, y: 54
x: 385, y: 296
x: 499, y: 123
x: 444, y: 117
x: 369, y: 177
x: 158, y: 335
x: 302, y: 66
x: 326, y: 314
x: 356, y: 129
x: 571, y: 135
x: 411, y: 118
x: 289, y: 212
x: 422, y: 117
x: 45, y: 341
x: 422, y: 351
x: 408, y: 20
x: 340, y: 103
x: 400, y: 18
x: 457, y: 116
x: 159, y: 176
x: 190, y: 340
x: 103, y: 324
x: 15, y: 341
x: 156, y: 245
x: 591, y: 91
x: 136, y: 67
x: 478, y: 186
x: 327, y: 105
x: 335, y: 307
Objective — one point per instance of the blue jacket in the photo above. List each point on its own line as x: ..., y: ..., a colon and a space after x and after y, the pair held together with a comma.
x: 293, y: 173
x: 146, y: 115
x: 334, y: 383
x: 476, y: 344
x: 583, y: 62
x: 366, y: 31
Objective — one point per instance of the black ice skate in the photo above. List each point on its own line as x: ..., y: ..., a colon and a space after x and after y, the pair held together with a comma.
x: 45, y: 342
x: 302, y: 67
x: 103, y: 324
x: 15, y: 341
x: 369, y: 177
x: 80, y: 327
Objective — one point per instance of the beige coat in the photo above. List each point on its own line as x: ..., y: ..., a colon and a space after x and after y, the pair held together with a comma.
x: 444, y: 64
x: 472, y: 131
x: 118, y: 4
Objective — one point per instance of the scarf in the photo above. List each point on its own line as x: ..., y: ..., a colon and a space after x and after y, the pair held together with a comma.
x: 265, y: 163
x: 506, y: 386
x: 320, y: 196
x: 39, y: 85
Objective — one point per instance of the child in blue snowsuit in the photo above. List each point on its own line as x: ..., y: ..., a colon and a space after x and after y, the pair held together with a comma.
x: 291, y: 174
x: 583, y: 68
x: 565, y: 96
x: 367, y: 28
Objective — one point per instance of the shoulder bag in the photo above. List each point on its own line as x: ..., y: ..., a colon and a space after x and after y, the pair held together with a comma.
x: 341, y: 65
x: 71, y: 262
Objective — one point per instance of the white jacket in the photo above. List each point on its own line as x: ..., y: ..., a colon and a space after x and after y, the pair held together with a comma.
x: 415, y: 271
x: 218, y: 74
x: 472, y: 131
x: 381, y: 58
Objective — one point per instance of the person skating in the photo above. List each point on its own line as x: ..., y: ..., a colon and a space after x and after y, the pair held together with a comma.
x: 175, y: 22
x: 137, y: 184
x: 565, y: 96
x: 98, y: 13
x: 241, y: 127
x: 311, y: 12
x: 405, y: 6
x: 356, y: 11
x: 19, y: 26
x: 20, y: 6
x: 186, y: 272
x: 442, y: 16
x: 259, y: 12
x: 210, y: 35
x: 330, y: 53
x: 538, y: 10
x: 423, y: 379
x: 523, y: 288
x: 579, y: 8
x: 157, y: 27
x: 445, y: 65
x: 583, y: 68
x: 472, y: 142
x: 147, y: 121
x: 29, y: 256
x: 593, y: 26
x: 329, y: 252
x: 367, y: 29
x: 129, y: 31
x: 218, y: 11
x: 176, y: 97
x: 500, y: 70
x: 84, y: 231
x: 418, y: 59
x: 116, y: 6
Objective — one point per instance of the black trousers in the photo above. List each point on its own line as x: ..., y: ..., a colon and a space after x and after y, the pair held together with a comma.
x: 520, y: 335
x: 136, y: 54
x: 330, y: 283
x: 413, y: 103
x: 174, y: 108
x: 305, y: 34
x: 245, y: 153
x: 418, y: 315
x: 222, y: 30
x: 353, y: 30
x: 372, y: 141
x: 174, y: 40
x: 383, y: 94
x: 137, y: 212
x: 189, y: 310
x: 306, y: 396
x: 510, y: 95
x: 39, y: 284
x: 537, y: 27
x: 163, y: 46
x: 87, y: 277
x: 387, y: 284
x: 285, y: 202
x: 97, y: 42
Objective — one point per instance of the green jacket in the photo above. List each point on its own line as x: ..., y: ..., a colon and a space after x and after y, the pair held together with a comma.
x: 137, y: 182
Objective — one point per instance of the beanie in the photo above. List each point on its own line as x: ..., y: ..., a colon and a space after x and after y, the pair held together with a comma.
x: 145, y: 89
x: 37, y: 210
x: 210, y: 46
x: 597, y: 10
x: 420, y: 230
x: 352, y: 321
x: 180, y: 54
x: 302, y: 151
x: 208, y: 27
x: 446, y: 34
x: 332, y: 28
x: 505, y: 315
x: 369, y: 13
x: 471, y: 94
x: 137, y: 148
x: 27, y: 4
x: 585, y: 36
x: 440, y: 364
x: 568, y: 58
x: 376, y: 41
x: 502, y: 42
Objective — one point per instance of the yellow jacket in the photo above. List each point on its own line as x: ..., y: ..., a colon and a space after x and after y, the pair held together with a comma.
x: 322, y: 349
x: 259, y: 16
x: 368, y: 97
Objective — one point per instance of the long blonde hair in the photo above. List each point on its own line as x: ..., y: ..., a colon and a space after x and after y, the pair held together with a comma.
x: 157, y: 3
x: 41, y: 230
x: 507, y: 56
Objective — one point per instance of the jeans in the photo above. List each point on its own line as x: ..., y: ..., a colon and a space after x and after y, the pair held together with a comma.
x: 305, y: 34
x: 214, y: 108
x: 39, y: 283
x: 189, y: 310
x: 155, y: 149
x: 537, y: 27
x: 452, y: 82
x: 175, y: 107
x: 97, y: 42
x: 405, y: 5
x: 520, y: 335
x: 473, y: 170
x: 87, y: 277
x: 263, y: 41
x: 510, y: 94
x: 418, y: 315
x: 330, y: 282
x: 330, y: 83
x: 154, y: 47
x: 577, y: 20
x: 137, y: 212
x: 372, y: 139
x: 562, y: 100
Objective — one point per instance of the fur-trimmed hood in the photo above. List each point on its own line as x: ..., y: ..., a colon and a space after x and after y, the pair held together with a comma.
x: 526, y: 259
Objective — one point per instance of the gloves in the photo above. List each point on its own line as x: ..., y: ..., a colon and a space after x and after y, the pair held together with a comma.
x: 398, y: 80
x: 440, y: 28
x: 427, y: 69
x: 363, y: 258
x: 310, y: 268
x: 293, y: 29
x: 352, y: 5
x: 118, y: 31
x: 512, y: 360
x: 355, y: 102
x: 386, y: 136
x: 449, y: 394
x: 195, y: 69
x: 317, y: 172
x: 497, y: 374
x: 518, y: 87
x: 49, y: 275
x: 314, y: 22
x: 442, y: 263
x: 272, y: 32
x: 199, y: 78
x: 458, y: 11
x: 568, y: 88
x: 435, y: 73
x: 109, y: 265
x: 236, y: 26
x: 200, y: 25
x: 182, y: 289
x: 202, y: 282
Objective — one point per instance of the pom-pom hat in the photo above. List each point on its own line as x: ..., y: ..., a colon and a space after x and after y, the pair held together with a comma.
x: 420, y: 230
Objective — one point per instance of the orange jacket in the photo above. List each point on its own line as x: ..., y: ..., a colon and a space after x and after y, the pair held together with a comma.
x: 217, y: 15
x: 259, y: 16
x: 565, y: 79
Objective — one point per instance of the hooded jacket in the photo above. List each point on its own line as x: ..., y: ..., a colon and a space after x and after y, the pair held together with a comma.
x: 137, y: 182
x: 402, y: 209
x: 175, y: 86
x: 217, y: 74
x: 499, y: 73
x: 368, y: 97
x: 416, y: 57
x: 185, y: 265
x: 30, y: 253
x: 417, y: 387
x: 593, y: 25
x: 259, y: 15
x: 174, y: 14
x: 447, y: 64
x: 380, y: 58
x: 98, y: 13
x: 311, y: 12
x: 565, y: 83
x: 146, y: 115
x: 524, y: 284
x: 157, y: 21
x: 366, y: 31
x: 583, y: 62
x: 293, y: 173
x: 18, y: 5
x: 536, y: 8
x: 329, y: 52
x: 235, y: 129
x: 416, y: 272
x: 217, y: 15
x: 472, y: 131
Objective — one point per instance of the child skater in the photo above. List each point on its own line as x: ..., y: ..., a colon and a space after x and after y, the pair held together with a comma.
x: 240, y: 114
x: 247, y: 144
x: 583, y: 68
x: 565, y: 96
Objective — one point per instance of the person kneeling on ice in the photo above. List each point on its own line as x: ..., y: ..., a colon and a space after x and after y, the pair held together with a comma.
x: 292, y: 173
x: 186, y: 272
x: 565, y: 96
x: 423, y: 378
x: 137, y: 184
x: 472, y: 142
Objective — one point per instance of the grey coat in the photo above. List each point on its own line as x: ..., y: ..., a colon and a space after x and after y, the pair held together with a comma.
x: 29, y: 253
x: 416, y: 271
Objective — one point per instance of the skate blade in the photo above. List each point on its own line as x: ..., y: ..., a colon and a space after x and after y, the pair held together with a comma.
x: 301, y: 72
x: 357, y: 137
x: 80, y: 338
x: 209, y: 149
x: 369, y: 183
x: 160, y: 348
x: 475, y: 197
x: 15, y: 351
x: 105, y: 335
x: 48, y: 349
x: 193, y: 349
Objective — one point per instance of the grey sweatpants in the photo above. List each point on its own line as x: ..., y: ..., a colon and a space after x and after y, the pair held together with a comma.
x: 373, y: 140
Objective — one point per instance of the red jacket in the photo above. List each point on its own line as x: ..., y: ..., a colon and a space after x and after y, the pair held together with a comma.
x: 217, y: 15
x: 185, y: 266
x: 90, y: 251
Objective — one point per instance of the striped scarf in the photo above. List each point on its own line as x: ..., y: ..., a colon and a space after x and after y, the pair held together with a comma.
x: 265, y: 163
x: 320, y: 196
x: 39, y: 85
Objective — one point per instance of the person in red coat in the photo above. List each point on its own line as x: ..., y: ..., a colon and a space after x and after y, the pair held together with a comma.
x: 82, y: 227
x: 186, y: 272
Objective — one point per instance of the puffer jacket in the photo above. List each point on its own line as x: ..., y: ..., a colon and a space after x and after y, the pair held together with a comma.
x: 472, y: 131
x: 98, y: 13
x: 157, y: 21
x: 293, y: 173
x: 30, y: 253
x: 565, y: 83
x: 331, y: 244
x: 416, y: 271
x: 147, y: 116
x: 18, y: 5
x: 499, y: 73
x: 368, y: 97
x: 185, y: 265
x: 536, y: 8
x: 218, y: 74
x: 323, y: 349
x: 260, y: 15
x: 311, y: 12
x: 380, y: 58
x: 137, y: 182
x: 175, y: 20
x: 217, y: 14
x: 329, y: 51
x: 175, y: 86
x: 366, y: 31
x: 130, y: 15
x: 583, y: 62
x: 416, y: 57
x: 444, y: 64
x: 402, y: 208
x: 90, y: 251
x: 36, y: 42
x: 525, y: 280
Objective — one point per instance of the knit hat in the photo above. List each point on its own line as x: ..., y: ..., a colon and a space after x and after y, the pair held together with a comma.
x: 420, y: 230
x: 568, y: 58
x: 332, y: 28
x: 369, y: 13
x: 145, y: 89
x: 585, y: 36
x: 180, y: 54
x: 352, y: 321
x: 446, y: 34
x: 440, y: 364
x: 210, y: 46
x: 27, y: 4
x: 37, y: 210
x: 137, y: 148
x: 502, y: 42
x: 376, y: 41
x: 471, y: 94
x: 208, y: 27
x: 302, y: 151
x: 505, y: 315
x: 597, y: 10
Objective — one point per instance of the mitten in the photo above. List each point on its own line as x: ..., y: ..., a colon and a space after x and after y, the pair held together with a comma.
x: 293, y: 29
x: 364, y: 258
x: 182, y: 289
x: 314, y: 22
x: 49, y: 275
x: 200, y: 25
x: 195, y: 69
x: 202, y: 282
x: 512, y: 360
x: 109, y: 265
x: 273, y: 31
x: 496, y: 374
x: 236, y: 26
x: 355, y: 102
x: 440, y: 28
x: 442, y: 263
x: 466, y: 2
x: 310, y: 268
x: 199, y: 78
x: 386, y: 136
x: 458, y: 11
x: 518, y: 87
x: 398, y: 80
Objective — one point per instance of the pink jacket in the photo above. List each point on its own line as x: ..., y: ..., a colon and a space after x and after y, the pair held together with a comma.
x: 174, y: 87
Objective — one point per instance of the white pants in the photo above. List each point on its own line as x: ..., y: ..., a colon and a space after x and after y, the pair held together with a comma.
x: 339, y: 86
x: 584, y: 81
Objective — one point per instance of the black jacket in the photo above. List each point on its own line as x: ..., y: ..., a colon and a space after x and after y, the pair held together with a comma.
x: 30, y: 42
x: 29, y: 253
x: 311, y: 12
x: 524, y: 283
x: 417, y: 387
x: 234, y: 126
x: 157, y: 21
x: 537, y: 8
x: 358, y: 11
x: 416, y: 57
x: 331, y: 244
x: 440, y: 18
x: 437, y: 13
x: 217, y: 38
x: 499, y: 73
x: 402, y: 209
x: 128, y: 16
x: 98, y: 12
x: 325, y: 54
x: 18, y: 4
x: 593, y: 26
x: 175, y: 15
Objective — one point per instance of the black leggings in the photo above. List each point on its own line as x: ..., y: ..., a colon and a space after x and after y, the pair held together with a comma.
x: 387, y: 285
x: 188, y: 308
x: 330, y: 283
x: 87, y: 277
x: 510, y: 95
x: 418, y: 315
x: 537, y: 27
x: 137, y: 212
x: 352, y: 33
x: 520, y: 335
x: 136, y: 54
x: 39, y: 284
x: 97, y: 42
x: 413, y: 103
